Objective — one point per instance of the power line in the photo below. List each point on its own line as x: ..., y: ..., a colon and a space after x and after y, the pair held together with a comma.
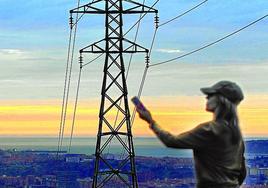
x: 80, y: 17
x: 135, y: 39
x: 67, y: 82
x: 64, y: 91
x: 75, y: 106
x: 153, y: 40
x: 183, y: 13
x: 210, y: 44
x: 79, y: 80
x: 68, y: 86
x: 93, y: 60
x: 143, y: 76
x: 140, y: 18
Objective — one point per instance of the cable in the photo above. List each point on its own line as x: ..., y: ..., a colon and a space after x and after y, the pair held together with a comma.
x: 92, y: 60
x: 179, y: 16
x: 66, y: 91
x: 139, y: 94
x: 210, y: 44
x: 143, y: 77
x: 75, y: 108
x: 78, y: 88
x: 140, y: 18
x: 135, y: 39
x: 183, y: 13
x: 76, y: 22
x: 153, y: 40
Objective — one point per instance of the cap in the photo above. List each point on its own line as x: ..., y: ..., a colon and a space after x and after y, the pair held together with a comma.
x: 228, y: 89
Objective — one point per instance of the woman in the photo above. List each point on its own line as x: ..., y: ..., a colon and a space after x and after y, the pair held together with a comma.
x: 217, y: 145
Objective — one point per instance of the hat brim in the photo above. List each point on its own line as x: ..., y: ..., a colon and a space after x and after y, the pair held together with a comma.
x: 208, y: 90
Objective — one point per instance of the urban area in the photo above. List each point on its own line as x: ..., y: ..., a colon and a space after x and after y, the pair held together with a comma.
x: 46, y: 169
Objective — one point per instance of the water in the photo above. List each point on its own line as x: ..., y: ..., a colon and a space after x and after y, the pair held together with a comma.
x: 86, y: 145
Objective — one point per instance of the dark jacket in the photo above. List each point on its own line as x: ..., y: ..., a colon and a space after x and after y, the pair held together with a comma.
x: 218, y: 162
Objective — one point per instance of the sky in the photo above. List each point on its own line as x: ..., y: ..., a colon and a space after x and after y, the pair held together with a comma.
x: 33, y: 53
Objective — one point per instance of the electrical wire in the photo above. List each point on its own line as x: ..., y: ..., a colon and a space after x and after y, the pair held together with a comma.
x: 80, y: 17
x: 67, y: 84
x: 166, y: 22
x: 64, y: 91
x: 68, y: 89
x: 210, y: 44
x: 140, y: 18
x: 92, y: 60
x: 78, y: 88
x: 75, y: 109
x: 143, y: 77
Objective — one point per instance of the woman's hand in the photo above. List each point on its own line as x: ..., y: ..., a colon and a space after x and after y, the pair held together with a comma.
x: 145, y: 115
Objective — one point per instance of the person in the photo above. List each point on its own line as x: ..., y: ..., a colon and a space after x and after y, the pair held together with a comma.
x: 217, y: 145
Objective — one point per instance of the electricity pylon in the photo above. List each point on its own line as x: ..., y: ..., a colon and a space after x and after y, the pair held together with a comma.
x: 114, y: 90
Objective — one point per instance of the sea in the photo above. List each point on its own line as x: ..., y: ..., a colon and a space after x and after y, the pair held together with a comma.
x: 144, y: 146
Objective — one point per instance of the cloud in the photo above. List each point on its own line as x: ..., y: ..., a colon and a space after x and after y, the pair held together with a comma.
x: 11, y: 52
x: 36, y: 59
x: 15, y: 55
x: 169, y: 51
x: 9, y: 81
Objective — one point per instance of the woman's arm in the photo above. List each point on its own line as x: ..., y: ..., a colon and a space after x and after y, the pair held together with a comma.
x: 167, y: 138
x: 196, y: 138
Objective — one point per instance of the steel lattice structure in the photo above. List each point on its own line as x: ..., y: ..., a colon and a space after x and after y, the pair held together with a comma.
x: 114, y: 89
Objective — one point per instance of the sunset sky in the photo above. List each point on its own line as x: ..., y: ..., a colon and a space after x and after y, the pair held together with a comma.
x: 34, y: 40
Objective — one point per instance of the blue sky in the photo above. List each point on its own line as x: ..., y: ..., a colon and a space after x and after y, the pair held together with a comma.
x: 34, y: 39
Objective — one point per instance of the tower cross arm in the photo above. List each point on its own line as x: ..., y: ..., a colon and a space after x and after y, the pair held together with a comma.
x: 132, y: 47
x: 98, y: 7
x: 96, y: 47
x: 90, y: 8
x: 99, y: 47
x: 139, y: 8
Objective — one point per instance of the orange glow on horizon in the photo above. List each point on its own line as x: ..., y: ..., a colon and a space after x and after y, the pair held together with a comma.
x: 174, y: 113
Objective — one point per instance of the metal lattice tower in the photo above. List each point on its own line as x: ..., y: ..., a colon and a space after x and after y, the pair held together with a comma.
x: 114, y: 91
